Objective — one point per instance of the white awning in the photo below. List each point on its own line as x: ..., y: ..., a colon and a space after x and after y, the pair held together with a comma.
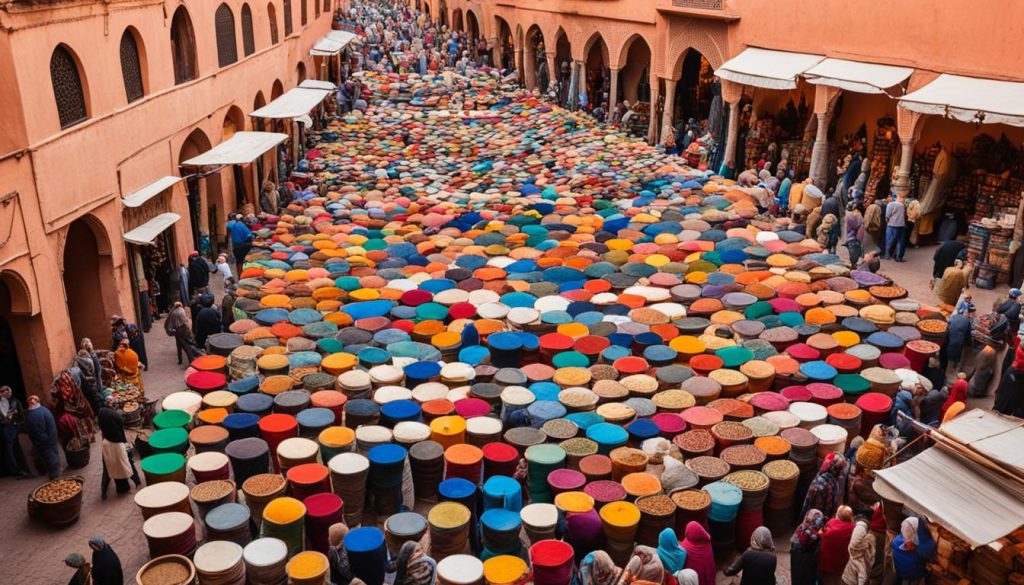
x: 332, y: 43
x: 149, y: 191
x: 975, y: 503
x: 295, y: 102
x: 857, y: 76
x: 147, y: 232
x: 240, y: 149
x: 766, y: 68
x: 318, y: 84
x: 970, y: 99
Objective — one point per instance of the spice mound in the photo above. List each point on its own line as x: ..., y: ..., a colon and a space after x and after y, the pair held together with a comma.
x: 58, y: 491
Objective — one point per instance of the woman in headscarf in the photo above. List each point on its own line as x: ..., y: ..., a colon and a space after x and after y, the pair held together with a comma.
x: 341, y: 572
x: 835, y: 543
x: 129, y: 370
x: 862, y: 555
x: 644, y: 565
x: 177, y: 326
x: 672, y: 556
x: 957, y: 393
x: 911, y: 549
x: 687, y: 577
x: 106, y: 566
x: 413, y: 567
x: 598, y: 568
x: 699, y: 555
x: 90, y: 379
x: 952, y: 283
x: 117, y: 459
x: 757, y: 563
x: 803, y: 549
x: 827, y: 488
x: 68, y: 399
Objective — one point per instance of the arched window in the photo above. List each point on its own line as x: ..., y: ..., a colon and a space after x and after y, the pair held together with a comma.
x: 272, y: 16
x: 131, y: 67
x: 183, y: 46
x: 227, y: 46
x: 305, y: 12
x: 248, y: 43
x: 316, y: 9
x: 67, y: 87
x: 327, y: 5
x: 287, y: 18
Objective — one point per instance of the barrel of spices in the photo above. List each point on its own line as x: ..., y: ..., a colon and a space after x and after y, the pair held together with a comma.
x: 241, y: 425
x: 448, y: 430
x: 500, y: 532
x: 803, y: 448
x: 522, y: 438
x: 322, y: 511
x: 465, y: 461
x: 426, y: 460
x: 503, y: 492
x: 211, y: 416
x: 172, y: 440
x: 847, y: 416
x: 249, y: 457
x: 349, y: 473
x: 566, y: 480
x: 220, y: 562
x: 809, y: 413
x: 370, y: 436
x: 619, y: 521
x: 608, y: 436
x: 255, y: 403
x: 170, y: 419
x: 276, y: 428
x: 170, y: 569
x: 335, y: 440
x: 692, y: 505
x: 552, y: 562
x: 626, y: 460
x: 743, y: 457
x: 596, y: 467
x: 774, y: 447
x: 169, y: 496
x: 695, y: 443
x: 875, y: 409
x: 754, y: 486
x: 361, y: 411
x: 313, y: 421
x: 384, y: 482
x: 210, y: 494
x: 261, y: 489
x: 831, y: 439
x: 265, y: 561
x: 164, y: 467
x: 539, y: 521
x: 231, y: 522
x: 402, y: 528
x: 481, y: 430
x: 284, y: 518
x: 499, y: 459
x: 505, y: 570
x: 307, y: 479
x: 190, y: 402
x: 708, y: 469
x: 725, y: 504
x: 657, y: 513
x: 783, y: 477
x: 296, y: 451
x: 542, y: 460
x: 460, y: 569
x: 449, y: 529
x: 308, y: 568
x: 604, y: 491
x: 331, y: 400
x: 208, y: 438
x: 576, y: 450
x: 729, y: 433
x: 170, y: 533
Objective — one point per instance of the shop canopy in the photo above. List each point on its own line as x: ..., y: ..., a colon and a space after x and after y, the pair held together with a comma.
x: 151, y: 190
x: 975, y: 503
x: 766, y: 68
x: 332, y: 43
x: 240, y: 149
x: 293, y: 103
x: 857, y: 76
x: 970, y: 99
x: 147, y: 232
x: 318, y: 84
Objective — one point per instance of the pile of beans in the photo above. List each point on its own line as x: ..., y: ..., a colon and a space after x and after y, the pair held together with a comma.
x: 58, y: 491
x: 209, y: 491
x: 691, y: 499
x: 263, y: 484
x: 165, y: 574
x: 743, y: 455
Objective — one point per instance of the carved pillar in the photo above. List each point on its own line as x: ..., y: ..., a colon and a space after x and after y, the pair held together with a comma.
x: 613, y: 92
x: 652, y: 127
x: 669, y: 111
x: 824, y: 105
x: 731, y: 94
x: 909, y: 125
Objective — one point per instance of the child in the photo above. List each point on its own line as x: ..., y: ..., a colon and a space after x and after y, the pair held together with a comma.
x: 223, y: 268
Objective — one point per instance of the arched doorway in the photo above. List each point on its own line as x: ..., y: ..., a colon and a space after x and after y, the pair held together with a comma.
x: 457, y: 23
x: 300, y: 73
x: 276, y: 90
x: 506, y: 57
x: 596, y: 78
x: 86, y: 257
x: 234, y: 121
x: 196, y: 144
x: 426, y: 10
x: 258, y: 103
x: 10, y: 362
x: 472, y: 25
x: 563, y: 65
x: 442, y: 13
x: 695, y: 89
x: 634, y: 84
x: 535, y: 57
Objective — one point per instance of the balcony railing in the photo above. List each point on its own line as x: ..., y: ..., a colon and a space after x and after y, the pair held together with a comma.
x: 700, y: 4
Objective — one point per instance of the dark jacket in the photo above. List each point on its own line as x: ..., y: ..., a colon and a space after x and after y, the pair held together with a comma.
x: 207, y: 323
x: 198, y: 273
x: 946, y: 255
x: 106, y: 567
x: 41, y: 427
x: 757, y: 566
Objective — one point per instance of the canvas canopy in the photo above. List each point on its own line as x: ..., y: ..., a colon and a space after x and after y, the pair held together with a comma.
x: 766, y: 68
x: 147, y: 232
x: 332, y: 43
x: 292, y: 104
x: 137, y: 198
x: 970, y: 99
x: 317, y: 84
x: 240, y: 149
x: 857, y: 76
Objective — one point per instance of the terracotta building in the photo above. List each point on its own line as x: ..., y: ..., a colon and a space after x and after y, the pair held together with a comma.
x: 101, y: 104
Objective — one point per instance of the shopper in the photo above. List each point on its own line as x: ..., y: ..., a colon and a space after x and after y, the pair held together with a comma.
x: 42, y: 430
x: 177, y: 326
x: 208, y: 321
x: 835, y: 543
x: 414, y: 567
x: 757, y: 563
x: 862, y: 555
x: 83, y: 573
x: 854, y: 232
x: 118, y: 463
x: 895, y: 230
x: 946, y: 254
x: 953, y: 282
x: 598, y: 568
x: 223, y: 268
x: 828, y: 487
x: 700, y: 556
x: 198, y: 273
x: 911, y: 550
x: 241, y: 240
x: 803, y: 549
x: 11, y: 416
x: 106, y: 566
x: 672, y: 555
x: 644, y: 565
x: 1010, y: 308
x: 129, y: 369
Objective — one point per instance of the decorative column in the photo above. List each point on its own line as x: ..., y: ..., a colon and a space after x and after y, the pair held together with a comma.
x: 549, y: 56
x: 573, y: 98
x: 520, y: 69
x: 652, y: 127
x: 731, y: 94
x: 669, y: 110
x: 530, y: 70
x: 824, y: 105
x: 909, y: 125
x: 613, y: 92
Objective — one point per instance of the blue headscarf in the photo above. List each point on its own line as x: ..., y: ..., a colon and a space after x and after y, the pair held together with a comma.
x: 671, y: 554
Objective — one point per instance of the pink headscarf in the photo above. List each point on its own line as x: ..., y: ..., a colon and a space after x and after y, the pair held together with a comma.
x: 699, y: 555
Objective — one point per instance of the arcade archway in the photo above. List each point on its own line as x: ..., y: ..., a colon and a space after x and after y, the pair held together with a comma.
x: 87, y: 257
